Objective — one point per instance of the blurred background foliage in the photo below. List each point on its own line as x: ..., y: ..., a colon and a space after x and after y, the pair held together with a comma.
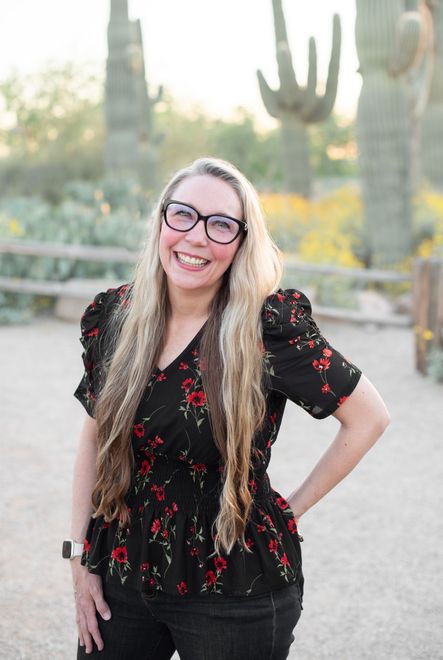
x: 52, y: 132
x: 53, y: 185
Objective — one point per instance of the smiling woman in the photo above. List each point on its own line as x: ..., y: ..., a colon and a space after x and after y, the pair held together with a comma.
x: 197, y: 248
x: 188, y: 369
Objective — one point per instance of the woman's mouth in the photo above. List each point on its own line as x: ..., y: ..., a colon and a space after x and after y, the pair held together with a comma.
x: 190, y: 261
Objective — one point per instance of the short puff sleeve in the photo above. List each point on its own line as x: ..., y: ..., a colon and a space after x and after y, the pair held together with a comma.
x: 93, y: 326
x: 299, y: 362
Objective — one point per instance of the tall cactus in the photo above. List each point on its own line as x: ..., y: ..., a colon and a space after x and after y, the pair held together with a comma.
x: 130, y: 143
x: 296, y: 106
x: 391, y: 44
x: 432, y: 123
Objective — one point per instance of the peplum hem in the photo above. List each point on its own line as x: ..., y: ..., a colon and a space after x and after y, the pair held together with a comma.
x: 171, y: 550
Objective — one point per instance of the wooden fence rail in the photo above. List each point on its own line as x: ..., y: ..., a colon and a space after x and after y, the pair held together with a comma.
x: 83, y: 289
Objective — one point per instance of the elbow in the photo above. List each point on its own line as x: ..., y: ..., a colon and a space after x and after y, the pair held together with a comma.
x: 382, y: 421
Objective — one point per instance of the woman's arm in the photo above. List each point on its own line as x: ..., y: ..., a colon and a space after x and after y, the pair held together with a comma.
x: 87, y: 587
x: 363, y: 418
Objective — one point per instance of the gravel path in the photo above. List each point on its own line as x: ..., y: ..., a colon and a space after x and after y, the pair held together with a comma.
x: 373, y: 557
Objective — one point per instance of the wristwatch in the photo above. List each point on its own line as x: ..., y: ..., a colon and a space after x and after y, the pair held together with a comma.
x: 72, y: 549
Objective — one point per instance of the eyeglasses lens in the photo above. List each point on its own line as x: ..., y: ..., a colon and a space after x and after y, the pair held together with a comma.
x: 219, y: 228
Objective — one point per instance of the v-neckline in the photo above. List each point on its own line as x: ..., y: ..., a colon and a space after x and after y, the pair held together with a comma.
x: 184, y: 351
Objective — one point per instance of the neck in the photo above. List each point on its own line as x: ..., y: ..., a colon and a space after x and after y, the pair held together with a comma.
x: 189, y: 305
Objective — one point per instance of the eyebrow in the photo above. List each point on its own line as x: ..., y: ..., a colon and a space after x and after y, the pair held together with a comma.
x: 222, y: 213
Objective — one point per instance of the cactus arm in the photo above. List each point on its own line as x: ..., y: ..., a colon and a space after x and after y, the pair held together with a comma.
x: 326, y: 102
x: 289, y: 88
x: 158, y: 96
x: 406, y: 46
x: 310, y: 100
x: 421, y: 78
x: 269, y: 97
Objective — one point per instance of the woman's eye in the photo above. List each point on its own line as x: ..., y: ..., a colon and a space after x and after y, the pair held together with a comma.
x: 223, y: 225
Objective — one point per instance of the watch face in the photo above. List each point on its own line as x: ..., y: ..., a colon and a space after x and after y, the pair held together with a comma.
x: 66, y: 550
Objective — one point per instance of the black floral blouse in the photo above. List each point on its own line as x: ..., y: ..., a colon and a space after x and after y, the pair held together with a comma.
x: 173, y: 498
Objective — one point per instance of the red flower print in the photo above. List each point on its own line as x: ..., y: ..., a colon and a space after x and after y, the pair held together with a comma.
x: 249, y: 543
x: 86, y: 546
x: 145, y: 467
x: 192, y: 529
x: 210, y: 578
x: 198, y: 467
x: 157, y: 441
x: 326, y: 389
x: 144, y: 567
x: 194, y: 552
x: 182, y: 588
x: 187, y: 384
x: 194, y: 352
x: 327, y: 352
x: 341, y: 400
x: 296, y: 295
x: 120, y: 554
x: 155, y: 525
x: 272, y: 545
x: 311, y: 343
x: 253, y: 486
x: 220, y: 563
x: 282, y: 503
x: 93, y: 333
x: 122, y: 290
x: 159, y: 492
x: 292, y: 526
x: 322, y: 364
x: 105, y: 525
x: 152, y: 582
x: 91, y: 394
x: 139, y: 430
x: 260, y: 528
x: 197, y: 398
x: 170, y: 511
x: 284, y: 560
x: 183, y: 366
x: 281, y: 297
x: 165, y: 533
x: 161, y: 377
x: 273, y: 418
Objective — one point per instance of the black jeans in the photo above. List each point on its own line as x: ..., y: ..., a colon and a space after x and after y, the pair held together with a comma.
x: 152, y: 627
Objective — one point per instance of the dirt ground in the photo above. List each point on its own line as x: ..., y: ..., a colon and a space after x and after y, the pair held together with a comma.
x: 373, y: 557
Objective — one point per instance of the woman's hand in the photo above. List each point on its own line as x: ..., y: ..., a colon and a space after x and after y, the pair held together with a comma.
x: 88, y: 601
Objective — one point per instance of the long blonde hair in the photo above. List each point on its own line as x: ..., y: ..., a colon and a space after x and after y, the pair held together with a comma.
x: 231, y: 345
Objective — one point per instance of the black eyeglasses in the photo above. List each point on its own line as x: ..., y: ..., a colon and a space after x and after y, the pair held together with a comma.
x: 219, y: 228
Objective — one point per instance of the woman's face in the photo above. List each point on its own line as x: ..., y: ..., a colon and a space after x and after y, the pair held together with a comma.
x: 208, y: 195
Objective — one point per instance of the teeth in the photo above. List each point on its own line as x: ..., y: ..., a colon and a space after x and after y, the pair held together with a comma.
x: 193, y: 261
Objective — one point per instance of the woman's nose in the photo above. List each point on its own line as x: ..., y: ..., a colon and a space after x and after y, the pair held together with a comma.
x: 197, y: 234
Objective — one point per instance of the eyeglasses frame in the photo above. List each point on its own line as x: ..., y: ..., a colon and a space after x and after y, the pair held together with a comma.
x: 243, y: 225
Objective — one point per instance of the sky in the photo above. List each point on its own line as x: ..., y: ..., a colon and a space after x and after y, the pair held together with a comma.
x: 204, y: 53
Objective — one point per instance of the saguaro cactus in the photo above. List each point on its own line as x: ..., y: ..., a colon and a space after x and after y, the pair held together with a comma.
x: 130, y: 143
x: 432, y: 123
x: 296, y: 106
x: 391, y: 43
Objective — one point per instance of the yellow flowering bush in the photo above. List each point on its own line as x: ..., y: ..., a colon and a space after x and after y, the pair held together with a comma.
x: 329, y: 230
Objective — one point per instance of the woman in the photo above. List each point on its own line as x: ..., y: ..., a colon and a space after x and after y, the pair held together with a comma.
x: 187, y: 372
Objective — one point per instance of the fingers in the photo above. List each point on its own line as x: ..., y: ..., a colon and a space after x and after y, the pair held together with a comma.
x: 87, y: 626
x: 96, y: 592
